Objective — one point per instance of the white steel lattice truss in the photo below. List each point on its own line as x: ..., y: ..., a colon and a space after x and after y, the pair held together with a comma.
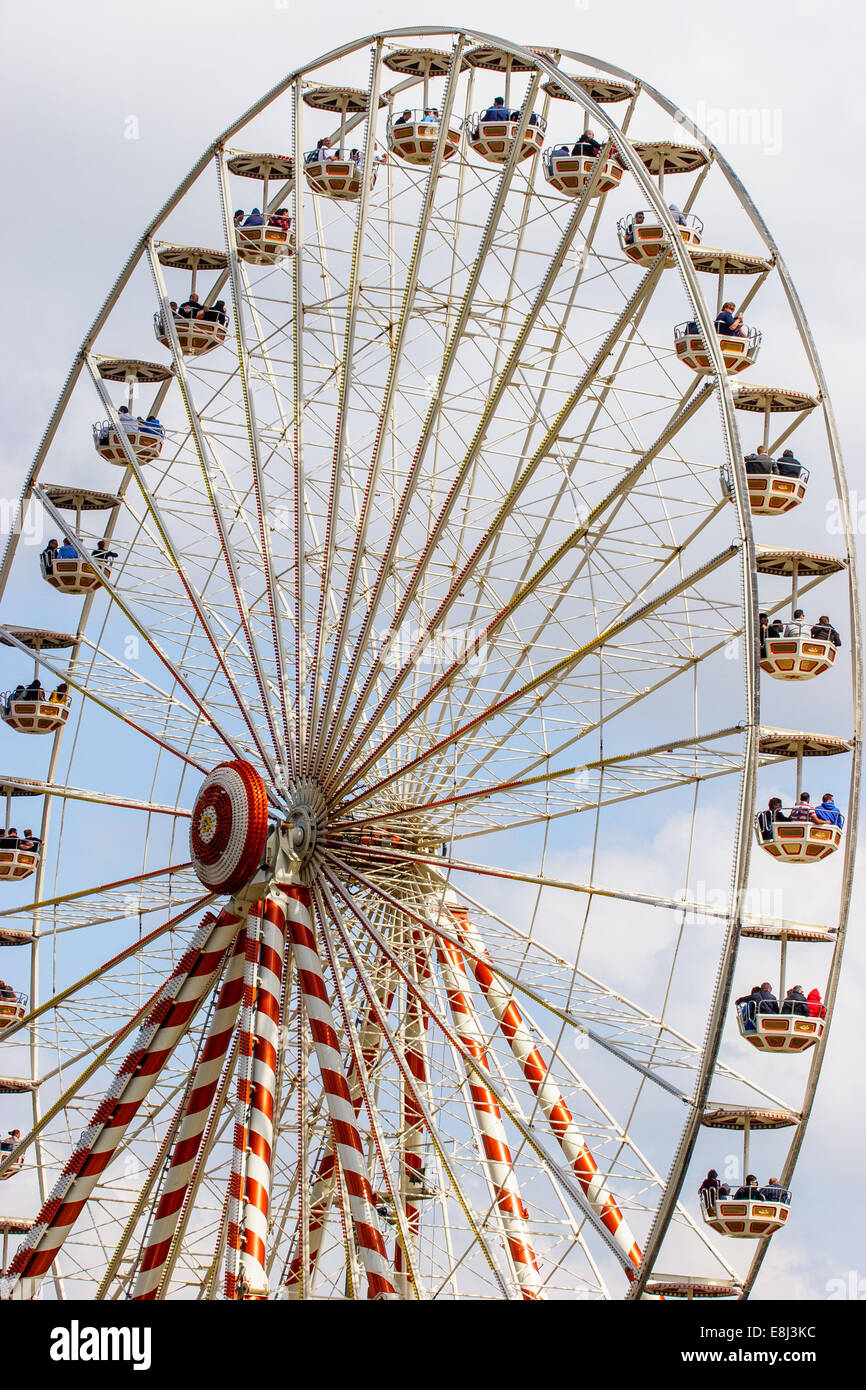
x: 435, y: 542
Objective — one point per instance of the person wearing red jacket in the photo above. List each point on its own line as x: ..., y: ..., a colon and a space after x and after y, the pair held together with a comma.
x: 816, y: 1008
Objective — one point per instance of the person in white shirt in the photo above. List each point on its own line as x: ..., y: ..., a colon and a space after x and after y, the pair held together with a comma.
x: 798, y: 625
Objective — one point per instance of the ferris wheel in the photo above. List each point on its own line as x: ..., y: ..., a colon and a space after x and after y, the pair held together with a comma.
x: 413, y: 649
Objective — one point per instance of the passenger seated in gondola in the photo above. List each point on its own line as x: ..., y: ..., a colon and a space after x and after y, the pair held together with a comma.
x: 497, y: 112
x: 6, y: 991
x: 430, y: 116
x: 9, y: 840
x: 824, y: 631
x: 795, y: 1002
x: 355, y: 156
x: 587, y: 145
x: 712, y: 1188
x: 29, y: 841
x: 190, y: 308
x: 728, y: 323
x: 773, y: 813
x: 789, y: 466
x: 798, y: 625
x: 67, y: 550
x: 750, y: 1191
x: 748, y: 1005
x: 776, y: 628
x: 677, y: 214
x: 761, y: 461
x: 128, y: 421
x: 34, y: 691
x: 280, y: 218
x: 152, y: 426
x: 828, y: 810
x: 49, y: 555
x: 404, y: 118
x: 19, y: 693
x: 775, y: 1192
x: 769, y: 1003
x: 239, y: 216
x: 803, y: 809
x: 255, y: 219
x: 13, y: 1138
x: 102, y: 554
x: 215, y: 313
x: 816, y: 1008
x: 323, y: 150
x: 59, y: 696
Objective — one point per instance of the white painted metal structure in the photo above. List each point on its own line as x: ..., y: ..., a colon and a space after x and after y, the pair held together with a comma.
x: 434, y: 541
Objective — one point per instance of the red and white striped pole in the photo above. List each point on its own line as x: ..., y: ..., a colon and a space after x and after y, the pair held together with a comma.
x: 166, y: 1024
x: 295, y: 900
x: 497, y: 1154
x: 252, y: 1159
x: 535, y: 1069
x: 192, y: 1126
x: 325, y: 1183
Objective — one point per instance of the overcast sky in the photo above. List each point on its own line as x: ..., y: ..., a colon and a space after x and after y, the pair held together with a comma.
x: 78, y: 79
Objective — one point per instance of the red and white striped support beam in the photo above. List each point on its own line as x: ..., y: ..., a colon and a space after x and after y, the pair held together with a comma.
x: 412, y: 1141
x: 297, y: 906
x: 192, y: 1126
x: 252, y: 1160
x: 497, y: 1154
x: 325, y: 1182
x: 166, y: 1024
x: 522, y: 1044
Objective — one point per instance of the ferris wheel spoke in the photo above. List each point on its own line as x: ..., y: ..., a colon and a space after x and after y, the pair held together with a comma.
x: 495, y: 396
x: 178, y: 566
x: 647, y: 768
x: 526, y: 589
x: 398, y: 343
x: 204, y: 449
x: 105, y: 902
x: 256, y: 463
x: 111, y: 964
x: 344, y: 390
x: 505, y: 509
x: 548, y: 682
x: 466, y: 1036
x: 631, y: 1031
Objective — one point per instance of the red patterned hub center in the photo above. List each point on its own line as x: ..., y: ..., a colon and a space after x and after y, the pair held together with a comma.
x: 229, y: 827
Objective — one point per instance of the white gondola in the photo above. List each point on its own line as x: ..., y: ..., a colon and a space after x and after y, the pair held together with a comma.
x: 12, y: 1010
x: 745, y: 1219
x: 800, y: 841
x: 34, y: 716
x: 414, y: 138
x: 737, y: 353
x: 145, y: 443
x: 195, y: 336
x: 493, y: 139
x: 569, y: 173
x: 78, y: 576
x: 265, y: 245
x: 641, y: 235
x: 335, y: 176
x: 796, y: 658
x: 14, y: 1167
x: 773, y: 493
x: 16, y: 864
x: 779, y: 1032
